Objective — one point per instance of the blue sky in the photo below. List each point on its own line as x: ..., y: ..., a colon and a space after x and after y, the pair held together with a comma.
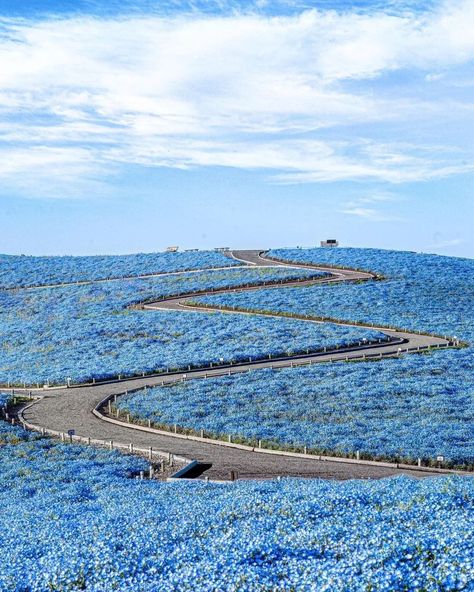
x: 127, y: 126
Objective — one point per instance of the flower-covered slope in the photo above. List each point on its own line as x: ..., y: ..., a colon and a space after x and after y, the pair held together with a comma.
x: 418, y: 406
x: 21, y: 271
x: 73, y: 519
x: 89, y: 331
x: 415, y: 407
x: 421, y: 292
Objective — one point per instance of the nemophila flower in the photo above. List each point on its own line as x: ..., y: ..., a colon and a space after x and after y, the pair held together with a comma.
x: 20, y: 271
x: 287, y: 535
x: 84, y: 332
x: 417, y: 406
x: 422, y: 292
x: 405, y: 412
x: 73, y: 519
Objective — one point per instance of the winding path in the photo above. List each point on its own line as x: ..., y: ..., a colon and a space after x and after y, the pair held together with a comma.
x: 61, y: 409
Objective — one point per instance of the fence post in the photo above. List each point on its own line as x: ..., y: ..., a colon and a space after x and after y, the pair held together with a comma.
x: 150, y: 453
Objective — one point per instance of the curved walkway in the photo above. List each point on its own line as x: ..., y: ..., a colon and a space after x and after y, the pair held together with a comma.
x: 61, y: 410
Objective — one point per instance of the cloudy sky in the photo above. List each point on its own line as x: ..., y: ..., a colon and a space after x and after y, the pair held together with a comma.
x: 127, y: 126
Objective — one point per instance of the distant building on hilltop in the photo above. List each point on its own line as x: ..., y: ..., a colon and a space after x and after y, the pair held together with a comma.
x: 222, y: 249
x: 171, y: 249
x: 330, y: 242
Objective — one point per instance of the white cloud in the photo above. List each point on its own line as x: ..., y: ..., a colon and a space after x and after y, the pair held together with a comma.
x: 434, y: 76
x: 367, y: 160
x: 369, y: 207
x: 243, y: 91
x: 53, y: 173
x: 445, y: 243
x: 368, y: 214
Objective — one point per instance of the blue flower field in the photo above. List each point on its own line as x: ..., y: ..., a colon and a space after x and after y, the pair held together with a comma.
x: 90, y: 331
x: 78, y: 518
x: 391, y: 409
x: 421, y: 292
x: 22, y: 271
x: 75, y: 518
x: 419, y: 406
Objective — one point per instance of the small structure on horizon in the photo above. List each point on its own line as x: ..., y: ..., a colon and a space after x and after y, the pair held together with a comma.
x: 330, y: 242
x: 172, y: 249
x: 222, y: 249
